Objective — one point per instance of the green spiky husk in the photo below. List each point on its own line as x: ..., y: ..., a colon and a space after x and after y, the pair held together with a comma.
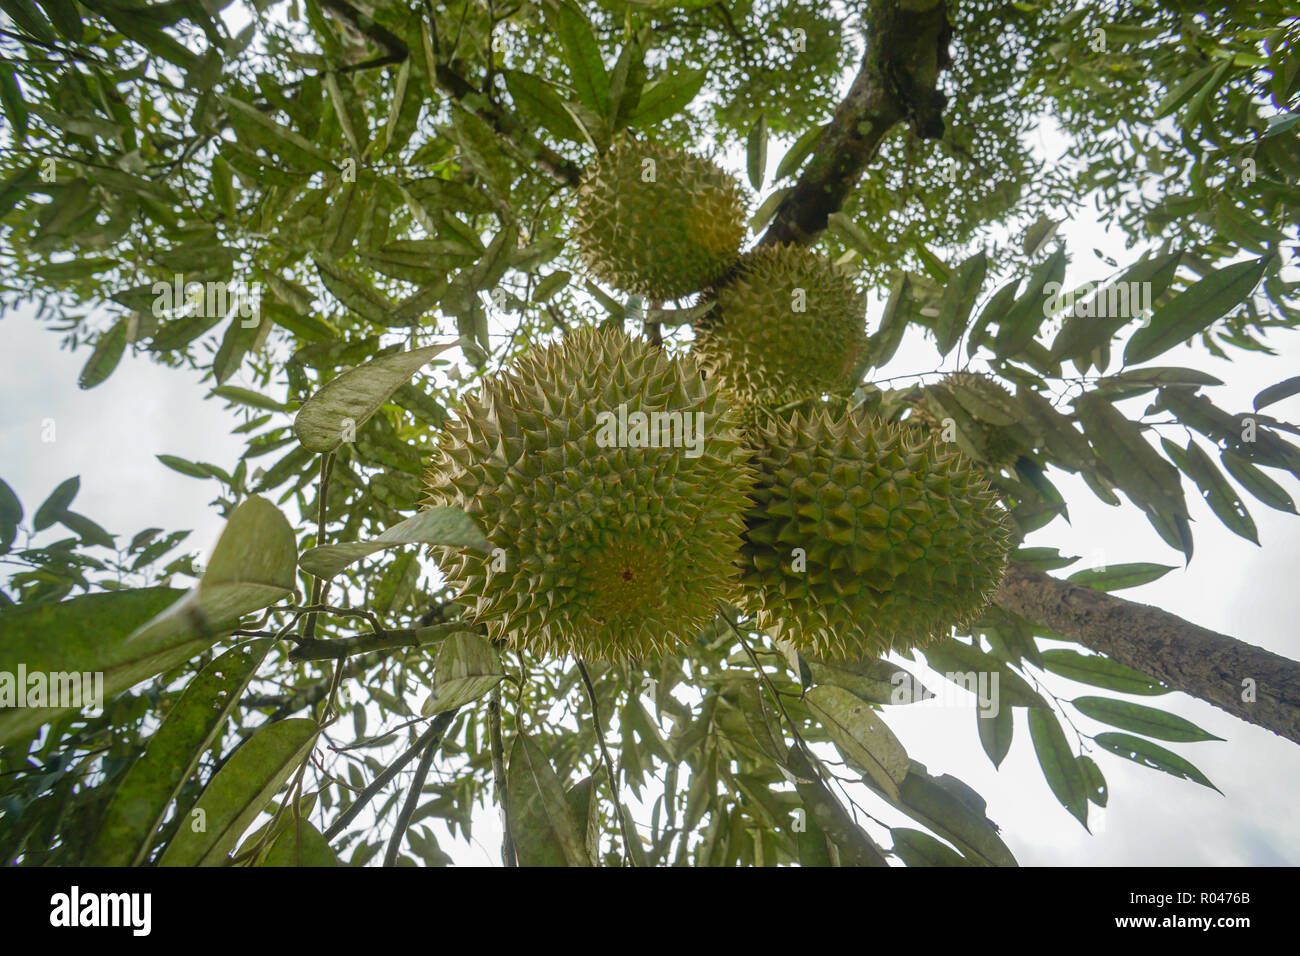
x: 762, y: 348
x: 609, y: 552
x: 902, y: 539
x: 663, y: 239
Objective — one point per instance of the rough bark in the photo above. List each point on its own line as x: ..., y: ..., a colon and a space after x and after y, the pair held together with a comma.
x: 907, y: 46
x: 1185, y: 656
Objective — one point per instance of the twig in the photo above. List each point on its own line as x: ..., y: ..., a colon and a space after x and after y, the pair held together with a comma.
x: 609, y: 765
x: 412, y: 800
x: 432, y: 735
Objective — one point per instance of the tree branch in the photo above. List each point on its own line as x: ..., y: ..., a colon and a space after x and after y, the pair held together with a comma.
x: 907, y: 46
x: 1187, y: 657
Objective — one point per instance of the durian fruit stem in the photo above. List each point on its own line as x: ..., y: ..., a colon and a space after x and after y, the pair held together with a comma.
x: 628, y: 858
x: 499, y: 777
x: 855, y: 846
x: 1247, y: 681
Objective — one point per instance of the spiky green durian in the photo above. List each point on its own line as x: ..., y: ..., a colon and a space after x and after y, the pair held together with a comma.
x: 865, y: 536
x: 658, y: 222
x: 614, y: 537
x: 787, y: 325
x: 981, y: 413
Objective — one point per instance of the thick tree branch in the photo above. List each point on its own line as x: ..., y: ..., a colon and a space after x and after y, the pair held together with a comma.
x: 907, y: 46
x: 1193, y: 659
x: 318, y: 650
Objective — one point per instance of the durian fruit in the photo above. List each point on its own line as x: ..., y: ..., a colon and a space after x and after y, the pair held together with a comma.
x: 613, y: 537
x: 981, y: 423
x: 658, y: 222
x: 787, y: 326
x: 866, y: 536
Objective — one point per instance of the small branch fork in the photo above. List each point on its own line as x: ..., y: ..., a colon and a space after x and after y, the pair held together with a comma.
x: 628, y: 857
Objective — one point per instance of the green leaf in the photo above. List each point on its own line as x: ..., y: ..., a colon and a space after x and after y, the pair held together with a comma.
x: 860, y: 736
x: 756, y: 152
x: 1193, y: 310
x: 958, y: 300
x: 955, y: 812
x: 468, y: 667
x: 442, y: 524
x: 667, y: 95
x: 263, y: 130
x: 11, y: 512
x: 1218, y: 494
x: 538, y: 100
x: 239, y: 791
x: 1063, y: 773
x: 799, y: 151
x: 244, y: 396
x: 1098, y: 792
x: 875, y: 681
x: 893, y: 323
x: 107, y: 353
x: 346, y: 402
x: 84, y: 635
x: 185, y: 467
x: 542, y: 821
x: 300, y: 844
x: 1257, y: 482
x: 1153, y: 756
x: 1141, y: 719
x: 1275, y: 393
x: 253, y: 565
x: 582, y: 56
x: 917, y: 848
x: 1184, y: 91
x: 958, y: 662
x: 995, y: 733
x: 53, y: 507
x: 1143, y: 475
x: 139, y: 804
x: 1116, y: 577
x: 1100, y: 671
x: 356, y: 292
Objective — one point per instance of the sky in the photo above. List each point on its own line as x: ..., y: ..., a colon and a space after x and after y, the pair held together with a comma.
x: 110, y: 436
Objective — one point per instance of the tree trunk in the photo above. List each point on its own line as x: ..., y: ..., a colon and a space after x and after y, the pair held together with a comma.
x: 1246, y: 681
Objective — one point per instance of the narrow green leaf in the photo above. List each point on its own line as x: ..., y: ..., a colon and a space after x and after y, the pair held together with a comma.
x: 1063, y: 773
x: 917, y: 848
x: 1100, y: 671
x: 1141, y: 719
x: 1116, y: 577
x: 343, y: 404
x: 1275, y: 393
x: 53, y: 507
x: 1193, y: 310
x: 437, y: 525
x: 582, y: 56
x: 239, y: 791
x: 995, y: 733
x: 83, y: 635
x: 140, y: 801
x: 542, y: 820
x: 756, y: 152
x: 666, y: 96
x: 1152, y: 755
x: 103, y: 360
x: 860, y: 736
x: 1257, y: 482
x: 468, y: 667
